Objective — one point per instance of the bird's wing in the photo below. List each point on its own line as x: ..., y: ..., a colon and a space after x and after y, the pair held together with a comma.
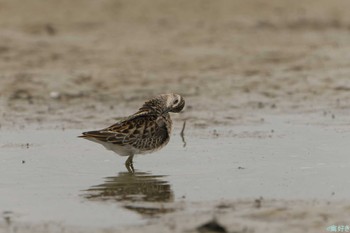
x: 128, y: 132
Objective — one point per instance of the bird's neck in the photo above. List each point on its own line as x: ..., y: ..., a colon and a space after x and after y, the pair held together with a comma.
x: 156, y: 106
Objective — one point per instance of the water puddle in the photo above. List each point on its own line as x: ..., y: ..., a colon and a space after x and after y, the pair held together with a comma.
x: 51, y: 175
x: 138, y: 187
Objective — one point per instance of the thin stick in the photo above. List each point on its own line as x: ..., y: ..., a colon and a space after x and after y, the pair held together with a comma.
x: 182, y: 134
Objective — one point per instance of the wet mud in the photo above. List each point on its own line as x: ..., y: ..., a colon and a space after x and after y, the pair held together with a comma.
x: 260, y: 147
x: 266, y: 161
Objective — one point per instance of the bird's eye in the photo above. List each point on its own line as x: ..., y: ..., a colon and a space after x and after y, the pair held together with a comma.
x: 176, y: 101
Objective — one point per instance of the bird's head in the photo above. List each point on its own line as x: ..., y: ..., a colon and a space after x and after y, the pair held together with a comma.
x: 174, y: 102
x: 165, y: 103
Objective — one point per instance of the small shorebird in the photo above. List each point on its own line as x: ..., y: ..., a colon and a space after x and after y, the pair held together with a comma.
x: 145, y: 131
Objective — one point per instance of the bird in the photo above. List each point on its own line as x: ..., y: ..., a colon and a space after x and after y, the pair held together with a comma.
x: 145, y: 131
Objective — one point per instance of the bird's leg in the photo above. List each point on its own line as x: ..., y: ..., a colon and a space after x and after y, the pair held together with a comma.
x: 128, y: 162
x: 129, y: 165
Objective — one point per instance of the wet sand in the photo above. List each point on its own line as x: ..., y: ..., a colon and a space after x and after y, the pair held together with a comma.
x: 266, y: 86
x: 257, y: 177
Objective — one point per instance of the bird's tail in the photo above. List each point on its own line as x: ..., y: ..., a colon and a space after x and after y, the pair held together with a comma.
x: 97, y: 134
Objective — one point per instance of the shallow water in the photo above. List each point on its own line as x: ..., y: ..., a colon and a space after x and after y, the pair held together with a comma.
x: 51, y: 175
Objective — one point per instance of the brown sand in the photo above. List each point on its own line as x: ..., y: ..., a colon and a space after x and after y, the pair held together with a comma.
x: 108, y: 56
x: 63, y: 63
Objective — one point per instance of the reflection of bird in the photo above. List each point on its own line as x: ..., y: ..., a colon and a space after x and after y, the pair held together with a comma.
x: 138, y: 188
x: 145, y: 131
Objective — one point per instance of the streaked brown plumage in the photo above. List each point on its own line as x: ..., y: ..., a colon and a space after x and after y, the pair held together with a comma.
x: 145, y: 131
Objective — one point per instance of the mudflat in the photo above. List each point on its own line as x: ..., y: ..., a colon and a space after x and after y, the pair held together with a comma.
x: 267, y: 93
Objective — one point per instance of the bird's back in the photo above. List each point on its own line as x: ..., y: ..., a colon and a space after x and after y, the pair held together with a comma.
x: 142, y: 132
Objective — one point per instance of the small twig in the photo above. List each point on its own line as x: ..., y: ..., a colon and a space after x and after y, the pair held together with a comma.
x: 182, y: 134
